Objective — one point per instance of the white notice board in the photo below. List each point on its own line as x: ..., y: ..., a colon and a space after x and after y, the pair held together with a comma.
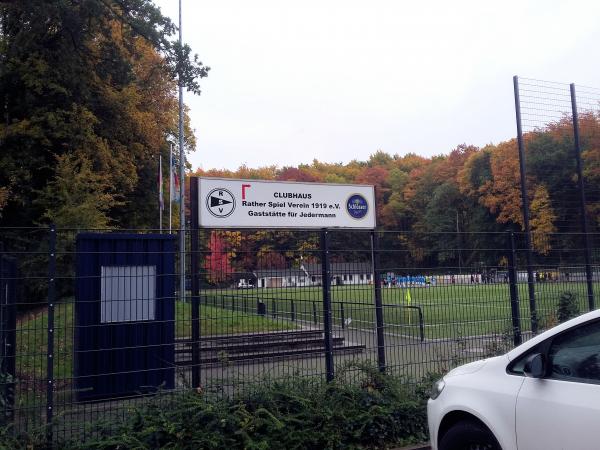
x: 228, y: 203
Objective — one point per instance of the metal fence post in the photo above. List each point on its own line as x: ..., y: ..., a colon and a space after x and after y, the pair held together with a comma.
x: 7, y: 338
x: 581, y: 185
x: 514, y: 293
x: 326, y: 305
x: 50, y: 335
x: 378, y: 302
x: 4, y: 333
x: 525, y: 202
x: 195, y: 269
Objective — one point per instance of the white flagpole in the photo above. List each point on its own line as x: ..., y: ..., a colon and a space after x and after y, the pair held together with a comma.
x: 160, y: 193
x: 171, y: 187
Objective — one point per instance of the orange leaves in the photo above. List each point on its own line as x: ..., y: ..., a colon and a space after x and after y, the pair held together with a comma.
x: 3, y: 197
x: 503, y: 197
x: 244, y: 172
x: 542, y: 220
x: 491, y: 176
x: 449, y: 168
x: 470, y: 188
x: 294, y: 174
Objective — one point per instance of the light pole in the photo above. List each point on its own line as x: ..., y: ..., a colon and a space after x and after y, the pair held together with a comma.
x: 181, y: 177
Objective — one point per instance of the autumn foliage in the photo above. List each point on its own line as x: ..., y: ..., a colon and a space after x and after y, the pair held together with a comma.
x: 88, y: 91
x: 471, y: 188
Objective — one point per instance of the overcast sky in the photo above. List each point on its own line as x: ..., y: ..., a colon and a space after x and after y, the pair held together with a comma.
x: 336, y: 80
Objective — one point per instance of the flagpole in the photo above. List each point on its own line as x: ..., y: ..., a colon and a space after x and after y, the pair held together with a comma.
x: 160, y: 194
x: 171, y: 186
x: 181, y: 178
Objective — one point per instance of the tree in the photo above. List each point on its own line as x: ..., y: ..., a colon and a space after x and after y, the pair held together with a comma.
x: 296, y: 174
x: 589, y: 125
x: 542, y: 220
x: 491, y: 176
x: 94, y: 78
x: 78, y: 195
x: 551, y: 164
x: 380, y: 158
x: 3, y: 198
x: 218, y: 261
x: 378, y: 177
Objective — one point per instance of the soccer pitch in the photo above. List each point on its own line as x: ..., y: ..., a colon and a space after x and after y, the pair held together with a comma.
x: 448, y: 311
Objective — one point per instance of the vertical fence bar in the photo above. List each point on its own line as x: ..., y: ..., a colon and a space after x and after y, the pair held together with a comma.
x: 525, y: 202
x: 514, y: 293
x: 326, y: 304
x: 421, y: 324
x: 8, y: 336
x: 50, y: 335
x: 195, y: 269
x: 378, y: 302
x: 581, y: 185
x: 181, y: 176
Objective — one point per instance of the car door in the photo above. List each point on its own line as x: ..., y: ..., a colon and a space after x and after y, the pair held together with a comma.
x: 562, y: 409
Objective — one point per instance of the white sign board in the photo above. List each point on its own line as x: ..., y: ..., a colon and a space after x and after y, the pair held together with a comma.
x: 227, y: 203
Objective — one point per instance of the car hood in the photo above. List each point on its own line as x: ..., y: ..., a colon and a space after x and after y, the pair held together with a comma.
x: 467, y: 368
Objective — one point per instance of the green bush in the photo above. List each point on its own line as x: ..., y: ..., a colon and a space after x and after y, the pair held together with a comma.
x: 361, y: 408
x: 568, y: 306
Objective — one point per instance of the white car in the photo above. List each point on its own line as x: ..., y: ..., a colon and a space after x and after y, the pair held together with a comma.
x: 542, y: 395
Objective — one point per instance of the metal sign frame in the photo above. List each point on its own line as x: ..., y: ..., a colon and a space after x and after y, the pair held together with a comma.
x: 242, y: 203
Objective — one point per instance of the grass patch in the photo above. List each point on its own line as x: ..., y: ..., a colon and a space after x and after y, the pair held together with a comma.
x: 449, y: 311
x: 32, y: 335
x: 217, y: 321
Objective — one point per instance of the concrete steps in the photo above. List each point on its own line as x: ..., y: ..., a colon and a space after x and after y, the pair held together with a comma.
x: 256, y: 347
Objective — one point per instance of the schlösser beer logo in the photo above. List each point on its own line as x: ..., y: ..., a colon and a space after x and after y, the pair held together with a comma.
x: 220, y: 202
x: 357, y: 206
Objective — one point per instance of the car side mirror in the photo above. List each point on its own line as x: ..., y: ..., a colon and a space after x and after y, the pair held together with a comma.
x: 535, y: 366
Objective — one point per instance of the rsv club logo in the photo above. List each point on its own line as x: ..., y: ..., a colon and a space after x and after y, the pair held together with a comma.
x: 220, y: 202
x: 357, y: 206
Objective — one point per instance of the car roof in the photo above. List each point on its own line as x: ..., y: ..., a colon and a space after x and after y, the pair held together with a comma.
x: 517, y: 351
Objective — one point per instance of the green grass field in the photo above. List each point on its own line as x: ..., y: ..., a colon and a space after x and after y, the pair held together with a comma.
x: 32, y: 337
x: 449, y: 311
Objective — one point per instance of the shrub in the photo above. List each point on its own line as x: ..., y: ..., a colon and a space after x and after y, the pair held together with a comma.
x: 361, y: 408
x: 568, y: 306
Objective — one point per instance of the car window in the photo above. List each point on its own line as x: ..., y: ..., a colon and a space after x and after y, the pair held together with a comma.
x: 517, y: 367
x: 575, y: 355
